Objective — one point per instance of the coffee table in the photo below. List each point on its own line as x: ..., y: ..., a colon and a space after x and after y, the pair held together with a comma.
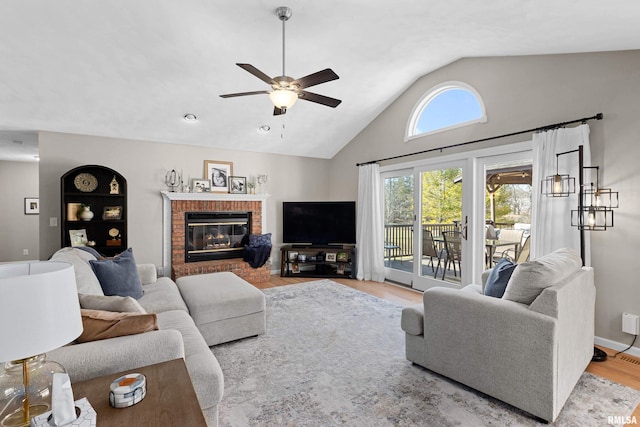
x: 170, y: 400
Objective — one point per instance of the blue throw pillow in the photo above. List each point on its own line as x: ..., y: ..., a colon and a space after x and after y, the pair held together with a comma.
x: 256, y: 240
x: 119, y: 276
x: 498, y: 278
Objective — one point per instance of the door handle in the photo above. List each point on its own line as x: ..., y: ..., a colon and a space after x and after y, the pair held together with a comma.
x: 465, y: 227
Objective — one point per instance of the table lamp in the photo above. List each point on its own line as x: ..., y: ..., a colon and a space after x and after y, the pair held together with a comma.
x: 39, y: 312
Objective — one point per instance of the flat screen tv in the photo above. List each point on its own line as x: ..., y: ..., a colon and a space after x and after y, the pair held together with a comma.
x: 319, y: 223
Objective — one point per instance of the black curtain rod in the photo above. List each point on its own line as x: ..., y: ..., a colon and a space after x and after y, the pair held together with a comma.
x: 598, y: 116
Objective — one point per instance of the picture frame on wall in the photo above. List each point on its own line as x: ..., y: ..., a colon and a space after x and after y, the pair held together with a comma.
x: 78, y: 237
x: 218, y: 172
x: 200, y: 185
x: 238, y: 184
x: 31, y: 205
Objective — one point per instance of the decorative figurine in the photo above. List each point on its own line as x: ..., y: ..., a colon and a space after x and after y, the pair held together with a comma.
x: 114, y: 186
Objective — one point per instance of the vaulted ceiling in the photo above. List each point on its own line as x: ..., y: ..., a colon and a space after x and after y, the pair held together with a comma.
x: 133, y: 69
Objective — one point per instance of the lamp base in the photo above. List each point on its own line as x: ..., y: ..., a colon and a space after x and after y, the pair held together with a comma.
x: 25, y: 389
x: 16, y: 419
x: 598, y: 355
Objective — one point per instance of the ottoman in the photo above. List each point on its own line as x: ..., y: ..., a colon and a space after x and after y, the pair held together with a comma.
x: 223, y: 306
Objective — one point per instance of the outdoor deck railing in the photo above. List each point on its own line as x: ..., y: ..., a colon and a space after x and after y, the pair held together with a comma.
x: 398, y: 238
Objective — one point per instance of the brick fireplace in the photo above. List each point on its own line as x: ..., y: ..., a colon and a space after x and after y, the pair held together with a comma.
x: 176, y: 205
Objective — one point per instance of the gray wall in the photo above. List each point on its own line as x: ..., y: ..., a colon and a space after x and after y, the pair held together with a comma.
x: 523, y: 93
x: 18, y: 231
x: 144, y: 165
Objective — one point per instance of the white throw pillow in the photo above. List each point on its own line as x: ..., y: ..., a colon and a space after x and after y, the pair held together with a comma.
x: 110, y: 303
x: 86, y: 280
x: 530, y: 278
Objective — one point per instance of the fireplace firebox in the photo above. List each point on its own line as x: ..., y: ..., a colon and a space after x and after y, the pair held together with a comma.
x: 215, y: 235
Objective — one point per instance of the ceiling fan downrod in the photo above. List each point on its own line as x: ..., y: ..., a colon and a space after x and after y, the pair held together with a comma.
x: 283, y: 13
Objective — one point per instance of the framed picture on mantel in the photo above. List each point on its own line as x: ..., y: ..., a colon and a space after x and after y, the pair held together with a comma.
x: 218, y: 172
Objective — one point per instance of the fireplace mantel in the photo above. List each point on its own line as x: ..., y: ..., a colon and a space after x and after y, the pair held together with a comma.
x: 168, y: 197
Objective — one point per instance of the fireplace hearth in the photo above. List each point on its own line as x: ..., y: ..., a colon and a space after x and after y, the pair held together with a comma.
x: 215, y: 235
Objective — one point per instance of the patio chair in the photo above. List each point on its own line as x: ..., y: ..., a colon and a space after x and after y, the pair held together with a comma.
x: 453, y: 248
x: 511, y: 235
x: 522, y: 255
x: 429, y: 249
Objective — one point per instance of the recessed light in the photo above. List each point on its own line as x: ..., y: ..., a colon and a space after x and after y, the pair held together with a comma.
x: 190, y: 117
x: 264, y: 129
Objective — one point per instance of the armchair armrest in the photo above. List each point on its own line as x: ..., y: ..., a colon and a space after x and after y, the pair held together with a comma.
x: 97, y: 358
x: 148, y: 273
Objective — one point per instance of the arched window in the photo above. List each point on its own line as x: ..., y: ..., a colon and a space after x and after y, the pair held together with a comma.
x: 446, y: 106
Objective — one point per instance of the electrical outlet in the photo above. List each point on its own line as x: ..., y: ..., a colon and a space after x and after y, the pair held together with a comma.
x: 25, y: 252
x: 630, y: 323
x: 53, y: 221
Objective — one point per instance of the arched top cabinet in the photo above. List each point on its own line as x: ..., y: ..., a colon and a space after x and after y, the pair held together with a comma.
x: 105, y: 192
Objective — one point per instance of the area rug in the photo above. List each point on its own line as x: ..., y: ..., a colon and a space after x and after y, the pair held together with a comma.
x: 335, y: 356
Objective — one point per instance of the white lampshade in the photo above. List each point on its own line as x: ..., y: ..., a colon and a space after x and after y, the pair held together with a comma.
x: 283, y: 98
x: 39, y: 308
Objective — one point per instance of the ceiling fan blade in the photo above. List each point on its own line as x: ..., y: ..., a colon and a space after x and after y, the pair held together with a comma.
x: 279, y: 111
x: 231, y: 95
x: 259, y: 74
x: 323, y: 76
x: 320, y: 99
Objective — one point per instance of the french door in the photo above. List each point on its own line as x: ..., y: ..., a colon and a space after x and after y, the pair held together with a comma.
x: 425, y: 225
x: 435, y: 215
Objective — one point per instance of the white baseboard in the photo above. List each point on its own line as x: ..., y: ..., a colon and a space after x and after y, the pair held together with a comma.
x: 614, y: 345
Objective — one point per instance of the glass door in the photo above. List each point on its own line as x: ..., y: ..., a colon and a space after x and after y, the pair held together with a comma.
x: 398, y: 187
x: 442, y: 227
x: 438, y: 213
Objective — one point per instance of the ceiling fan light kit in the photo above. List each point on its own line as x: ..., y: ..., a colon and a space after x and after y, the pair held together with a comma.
x: 286, y: 90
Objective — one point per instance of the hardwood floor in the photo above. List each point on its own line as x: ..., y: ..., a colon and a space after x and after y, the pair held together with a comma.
x: 623, y: 369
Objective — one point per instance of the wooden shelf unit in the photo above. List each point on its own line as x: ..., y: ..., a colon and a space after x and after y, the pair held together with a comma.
x: 97, y: 228
x: 317, y: 261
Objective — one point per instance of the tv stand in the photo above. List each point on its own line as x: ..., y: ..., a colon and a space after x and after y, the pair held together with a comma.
x: 318, y: 261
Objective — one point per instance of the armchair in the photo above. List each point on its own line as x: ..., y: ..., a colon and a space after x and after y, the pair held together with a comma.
x: 527, y: 354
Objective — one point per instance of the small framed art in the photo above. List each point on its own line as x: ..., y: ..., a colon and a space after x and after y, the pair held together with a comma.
x: 238, y: 185
x: 330, y: 257
x: 200, y: 185
x: 218, y: 173
x: 112, y: 213
x: 31, y: 206
x: 342, y: 257
x: 78, y: 237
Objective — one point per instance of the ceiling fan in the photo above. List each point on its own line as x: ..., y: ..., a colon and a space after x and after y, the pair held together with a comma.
x: 286, y: 90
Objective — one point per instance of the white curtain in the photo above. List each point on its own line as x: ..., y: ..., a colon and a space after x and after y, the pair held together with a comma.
x: 370, y: 225
x: 551, y: 216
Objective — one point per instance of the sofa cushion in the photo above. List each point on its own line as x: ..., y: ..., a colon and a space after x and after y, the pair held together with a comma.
x: 110, y: 303
x: 86, y: 280
x: 119, y: 275
x: 530, y: 278
x: 100, y: 325
x: 162, y: 296
x: 498, y: 278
